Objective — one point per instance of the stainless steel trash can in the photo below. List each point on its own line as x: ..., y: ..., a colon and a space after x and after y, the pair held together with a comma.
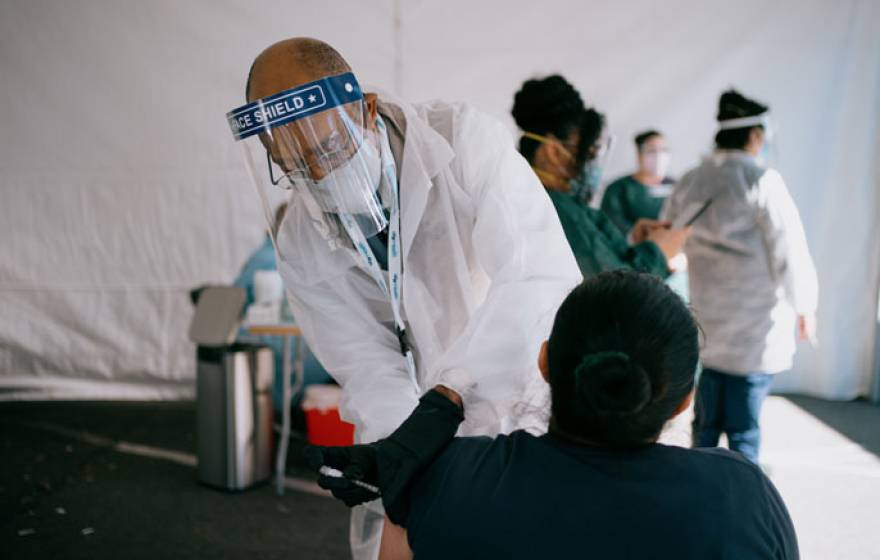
x: 234, y: 414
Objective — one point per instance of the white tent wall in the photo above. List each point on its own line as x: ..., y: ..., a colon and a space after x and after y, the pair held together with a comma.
x: 122, y: 188
x: 662, y: 65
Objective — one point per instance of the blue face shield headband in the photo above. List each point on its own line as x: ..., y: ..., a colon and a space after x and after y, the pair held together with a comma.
x: 293, y: 104
x: 318, y: 141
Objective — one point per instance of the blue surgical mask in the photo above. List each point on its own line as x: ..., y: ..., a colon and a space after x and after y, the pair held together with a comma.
x: 586, y: 183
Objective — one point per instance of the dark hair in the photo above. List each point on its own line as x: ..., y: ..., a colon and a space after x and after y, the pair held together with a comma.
x: 643, y: 137
x: 622, y: 357
x: 733, y: 105
x: 592, y: 123
x: 548, y: 106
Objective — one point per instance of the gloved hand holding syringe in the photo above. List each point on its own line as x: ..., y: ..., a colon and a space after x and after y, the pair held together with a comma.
x: 383, y: 469
x: 334, y: 473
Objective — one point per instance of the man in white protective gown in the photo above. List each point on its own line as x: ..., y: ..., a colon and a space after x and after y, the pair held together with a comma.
x: 418, y: 250
x: 752, y: 279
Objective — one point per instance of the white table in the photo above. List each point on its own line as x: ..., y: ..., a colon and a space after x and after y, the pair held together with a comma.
x: 288, y: 331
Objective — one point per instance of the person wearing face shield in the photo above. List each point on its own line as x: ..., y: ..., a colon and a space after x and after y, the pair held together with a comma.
x: 752, y: 279
x: 641, y: 194
x: 566, y: 144
x: 421, y: 260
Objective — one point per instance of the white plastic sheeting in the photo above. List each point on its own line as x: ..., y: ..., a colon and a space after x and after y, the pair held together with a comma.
x: 122, y: 189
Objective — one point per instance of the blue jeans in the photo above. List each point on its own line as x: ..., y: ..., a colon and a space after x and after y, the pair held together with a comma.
x: 730, y: 404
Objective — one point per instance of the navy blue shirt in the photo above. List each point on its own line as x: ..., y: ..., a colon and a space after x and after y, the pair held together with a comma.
x: 521, y: 496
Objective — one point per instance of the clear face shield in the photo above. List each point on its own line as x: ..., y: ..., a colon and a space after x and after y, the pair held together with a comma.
x: 583, y: 181
x: 315, y: 142
x: 603, y: 148
x: 585, y: 186
x: 768, y: 149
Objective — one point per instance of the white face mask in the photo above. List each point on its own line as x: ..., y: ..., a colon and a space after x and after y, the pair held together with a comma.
x: 343, y: 188
x: 656, y: 163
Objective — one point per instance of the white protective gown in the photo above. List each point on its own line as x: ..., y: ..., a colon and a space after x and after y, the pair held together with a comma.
x: 749, y: 266
x: 485, y: 267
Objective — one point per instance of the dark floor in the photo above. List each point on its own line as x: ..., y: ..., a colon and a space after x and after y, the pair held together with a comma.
x: 63, y: 498
x: 857, y: 421
x: 66, y: 493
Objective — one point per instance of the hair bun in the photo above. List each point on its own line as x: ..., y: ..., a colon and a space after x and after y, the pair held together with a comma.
x: 546, y: 104
x: 612, y: 384
x: 733, y: 105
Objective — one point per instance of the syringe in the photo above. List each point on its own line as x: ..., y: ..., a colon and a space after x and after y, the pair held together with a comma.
x: 331, y: 472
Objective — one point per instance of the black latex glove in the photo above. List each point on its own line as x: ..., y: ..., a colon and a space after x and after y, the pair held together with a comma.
x: 390, y: 463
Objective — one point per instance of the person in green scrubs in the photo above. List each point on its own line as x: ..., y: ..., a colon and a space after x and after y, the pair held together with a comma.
x: 640, y: 195
x: 564, y: 142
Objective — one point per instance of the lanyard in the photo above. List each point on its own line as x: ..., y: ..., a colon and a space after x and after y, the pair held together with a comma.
x: 395, y: 266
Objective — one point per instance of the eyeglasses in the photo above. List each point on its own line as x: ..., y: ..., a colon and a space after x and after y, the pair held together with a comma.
x: 336, y: 150
x: 271, y: 174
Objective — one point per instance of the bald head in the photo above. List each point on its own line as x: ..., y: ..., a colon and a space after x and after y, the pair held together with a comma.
x: 290, y: 63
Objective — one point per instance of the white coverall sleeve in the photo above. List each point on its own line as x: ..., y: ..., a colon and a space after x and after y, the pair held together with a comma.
x: 786, y: 243
x: 362, y: 355
x: 671, y: 206
x: 519, y: 244
x: 674, y: 205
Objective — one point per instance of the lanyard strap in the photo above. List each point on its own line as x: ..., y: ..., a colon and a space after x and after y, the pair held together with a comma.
x: 395, y: 266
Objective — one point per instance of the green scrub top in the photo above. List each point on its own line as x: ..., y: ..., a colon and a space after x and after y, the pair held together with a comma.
x: 598, y: 245
x: 626, y: 201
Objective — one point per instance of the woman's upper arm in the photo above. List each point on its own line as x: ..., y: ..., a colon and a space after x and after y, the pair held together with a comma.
x: 394, y: 545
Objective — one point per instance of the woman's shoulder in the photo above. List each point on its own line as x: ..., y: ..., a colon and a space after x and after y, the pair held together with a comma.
x: 622, y: 187
x: 580, y: 220
x: 467, y: 464
x: 567, y: 204
x: 469, y: 447
x: 668, y: 462
x: 712, y: 464
x: 477, y: 456
x: 707, y: 455
x: 622, y: 183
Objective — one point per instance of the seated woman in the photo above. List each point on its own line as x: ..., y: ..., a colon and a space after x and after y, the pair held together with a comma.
x: 598, y: 485
x: 562, y: 141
